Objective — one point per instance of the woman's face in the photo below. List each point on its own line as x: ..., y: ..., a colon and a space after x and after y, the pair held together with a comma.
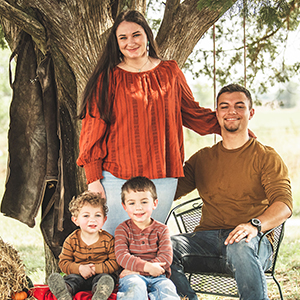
x: 132, y: 40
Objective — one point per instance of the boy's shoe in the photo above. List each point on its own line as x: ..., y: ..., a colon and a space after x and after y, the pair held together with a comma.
x: 58, y: 287
x: 105, y: 287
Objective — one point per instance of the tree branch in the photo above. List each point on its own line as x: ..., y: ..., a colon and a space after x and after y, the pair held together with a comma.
x: 171, y: 7
x: 26, y: 23
x: 183, y: 26
x: 139, y: 5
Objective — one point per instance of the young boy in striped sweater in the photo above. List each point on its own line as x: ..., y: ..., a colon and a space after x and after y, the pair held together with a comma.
x: 88, y: 256
x: 143, y: 246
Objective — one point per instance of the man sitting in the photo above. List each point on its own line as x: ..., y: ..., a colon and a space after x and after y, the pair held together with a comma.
x: 245, y: 190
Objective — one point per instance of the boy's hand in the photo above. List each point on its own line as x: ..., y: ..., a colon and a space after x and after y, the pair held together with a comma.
x: 87, y: 271
x: 92, y: 266
x: 126, y: 272
x: 154, y: 269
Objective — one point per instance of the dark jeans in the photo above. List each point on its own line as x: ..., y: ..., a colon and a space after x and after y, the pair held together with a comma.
x: 205, y: 251
x: 78, y: 283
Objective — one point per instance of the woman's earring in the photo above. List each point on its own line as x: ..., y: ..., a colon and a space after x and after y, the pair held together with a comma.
x: 148, y: 48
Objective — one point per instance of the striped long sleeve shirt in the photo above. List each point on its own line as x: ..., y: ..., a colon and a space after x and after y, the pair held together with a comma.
x: 134, y: 247
x: 146, y: 135
x: 75, y: 253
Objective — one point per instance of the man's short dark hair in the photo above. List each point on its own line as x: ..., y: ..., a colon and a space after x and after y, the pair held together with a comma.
x: 139, y: 184
x: 234, y: 87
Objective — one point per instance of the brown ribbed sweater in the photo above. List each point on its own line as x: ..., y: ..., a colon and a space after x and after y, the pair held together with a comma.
x: 75, y: 253
x: 235, y: 185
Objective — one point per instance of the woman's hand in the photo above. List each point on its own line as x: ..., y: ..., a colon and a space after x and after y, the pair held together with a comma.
x: 97, y: 187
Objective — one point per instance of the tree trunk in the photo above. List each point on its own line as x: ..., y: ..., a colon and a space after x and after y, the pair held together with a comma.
x: 74, y: 33
x: 51, y: 263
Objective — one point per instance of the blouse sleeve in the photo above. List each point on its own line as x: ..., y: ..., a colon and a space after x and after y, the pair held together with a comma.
x: 201, y: 120
x: 92, y: 144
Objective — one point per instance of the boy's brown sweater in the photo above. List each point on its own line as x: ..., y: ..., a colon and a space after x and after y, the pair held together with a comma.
x: 75, y: 253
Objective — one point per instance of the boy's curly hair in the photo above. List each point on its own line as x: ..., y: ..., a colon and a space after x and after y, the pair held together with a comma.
x: 87, y: 197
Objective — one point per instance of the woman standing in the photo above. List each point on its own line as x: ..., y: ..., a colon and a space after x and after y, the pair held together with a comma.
x: 133, y: 109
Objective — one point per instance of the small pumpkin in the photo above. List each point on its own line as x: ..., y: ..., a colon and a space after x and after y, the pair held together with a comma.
x: 19, y: 296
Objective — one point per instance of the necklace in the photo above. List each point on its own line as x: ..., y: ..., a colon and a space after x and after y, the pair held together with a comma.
x: 139, y: 69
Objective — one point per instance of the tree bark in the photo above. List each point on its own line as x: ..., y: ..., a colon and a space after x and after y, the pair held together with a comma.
x: 183, y: 25
x: 51, y: 263
x: 26, y: 22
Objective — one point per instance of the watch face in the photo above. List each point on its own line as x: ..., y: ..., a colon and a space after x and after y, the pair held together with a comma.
x: 255, y: 222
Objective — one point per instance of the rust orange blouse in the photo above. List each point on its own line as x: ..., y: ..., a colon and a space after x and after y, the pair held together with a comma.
x: 146, y: 137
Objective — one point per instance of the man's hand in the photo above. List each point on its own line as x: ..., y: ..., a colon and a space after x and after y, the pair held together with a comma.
x: 87, y: 271
x: 154, y: 269
x: 126, y: 272
x: 246, y: 230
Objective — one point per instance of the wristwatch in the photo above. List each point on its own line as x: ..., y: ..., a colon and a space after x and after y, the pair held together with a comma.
x: 256, y: 223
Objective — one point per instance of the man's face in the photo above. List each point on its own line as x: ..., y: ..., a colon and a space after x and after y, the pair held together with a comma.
x: 233, y: 112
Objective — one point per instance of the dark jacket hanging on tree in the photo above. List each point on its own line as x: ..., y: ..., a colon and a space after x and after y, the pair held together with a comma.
x: 36, y: 169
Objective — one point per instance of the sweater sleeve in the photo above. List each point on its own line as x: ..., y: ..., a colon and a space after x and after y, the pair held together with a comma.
x: 187, y: 183
x: 275, y: 179
x: 110, y: 264
x: 201, y: 120
x: 66, y: 258
x: 124, y: 258
x: 165, y: 251
x: 92, y: 144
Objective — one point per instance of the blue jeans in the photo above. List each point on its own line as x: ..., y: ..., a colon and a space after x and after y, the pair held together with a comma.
x: 205, y: 251
x: 138, y: 287
x: 165, y: 188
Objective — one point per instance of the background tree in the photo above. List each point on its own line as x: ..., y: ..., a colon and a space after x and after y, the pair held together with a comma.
x: 267, y: 30
x: 61, y: 41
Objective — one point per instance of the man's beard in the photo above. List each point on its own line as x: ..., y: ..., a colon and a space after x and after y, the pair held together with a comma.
x: 231, y: 129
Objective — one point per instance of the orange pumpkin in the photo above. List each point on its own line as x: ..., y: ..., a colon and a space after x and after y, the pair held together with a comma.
x: 19, y: 296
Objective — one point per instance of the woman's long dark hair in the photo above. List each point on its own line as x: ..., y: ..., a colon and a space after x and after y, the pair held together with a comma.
x: 111, y: 57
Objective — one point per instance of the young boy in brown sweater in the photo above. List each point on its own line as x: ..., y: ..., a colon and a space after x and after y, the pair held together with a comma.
x: 87, y: 256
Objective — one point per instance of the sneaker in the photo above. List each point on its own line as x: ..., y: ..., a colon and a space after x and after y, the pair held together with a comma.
x: 58, y: 287
x: 105, y: 287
